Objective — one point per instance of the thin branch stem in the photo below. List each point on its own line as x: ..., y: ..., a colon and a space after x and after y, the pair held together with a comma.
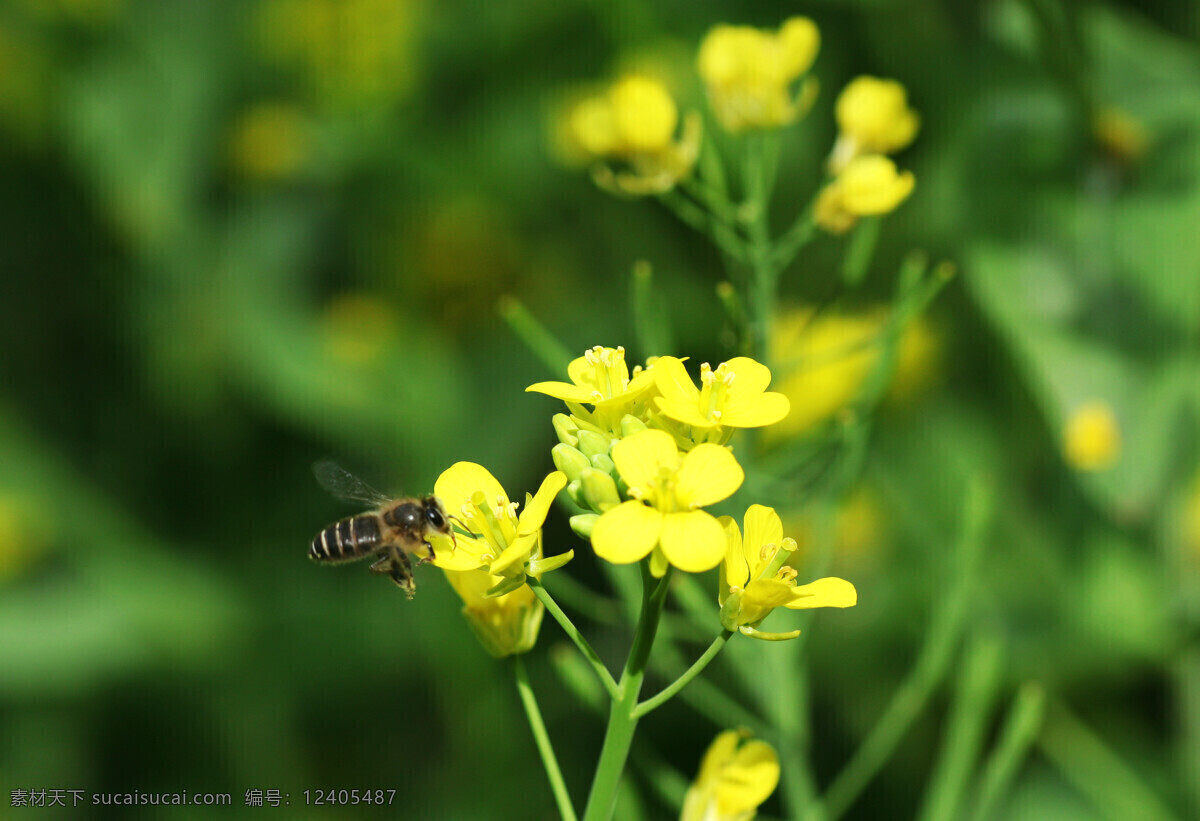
x: 573, y: 632
x: 557, y: 785
x: 678, y: 684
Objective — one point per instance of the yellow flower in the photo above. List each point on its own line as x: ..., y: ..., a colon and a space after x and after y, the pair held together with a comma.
x: 601, y: 378
x: 735, y: 776
x: 823, y: 362
x: 359, y: 328
x: 351, y: 53
x: 733, y: 396
x: 634, y: 122
x: 663, y: 517
x: 873, y: 118
x: 868, y: 186
x: 1092, y: 440
x: 501, y: 542
x: 269, y: 142
x: 504, y: 624
x: 748, y: 73
x: 1121, y: 135
x: 754, y: 580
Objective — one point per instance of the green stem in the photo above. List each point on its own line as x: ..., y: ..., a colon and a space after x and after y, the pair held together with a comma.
x: 761, y: 254
x: 541, y: 342
x: 1114, y: 788
x: 1020, y: 730
x: 573, y: 632
x: 910, y: 699
x: 542, y: 739
x: 965, y: 731
x: 622, y: 720
x: 678, y: 684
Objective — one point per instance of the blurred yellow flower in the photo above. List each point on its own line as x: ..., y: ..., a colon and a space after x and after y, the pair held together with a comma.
x: 269, y: 142
x: 1122, y: 135
x: 735, y: 777
x: 1092, y: 437
x: 755, y: 580
x: 733, y: 396
x: 24, y: 535
x: 634, y: 123
x: 351, y: 53
x: 663, y: 518
x: 823, y: 362
x: 748, y: 73
x: 1191, y: 518
x: 504, y: 624
x: 358, y: 328
x: 867, y: 186
x: 873, y: 118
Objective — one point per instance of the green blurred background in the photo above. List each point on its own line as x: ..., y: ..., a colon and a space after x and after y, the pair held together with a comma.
x: 242, y: 235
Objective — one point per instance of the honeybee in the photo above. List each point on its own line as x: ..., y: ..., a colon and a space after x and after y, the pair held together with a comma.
x: 396, y: 528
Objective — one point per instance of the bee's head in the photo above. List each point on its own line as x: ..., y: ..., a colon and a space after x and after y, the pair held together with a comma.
x: 436, y: 518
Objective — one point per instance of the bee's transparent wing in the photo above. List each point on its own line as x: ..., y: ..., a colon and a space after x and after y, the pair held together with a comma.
x: 345, y: 485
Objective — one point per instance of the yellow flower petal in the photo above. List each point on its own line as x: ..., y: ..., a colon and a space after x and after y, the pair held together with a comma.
x: 683, y: 411
x: 640, y: 457
x: 709, y: 473
x: 765, y: 595
x: 515, y: 555
x: 736, y: 572
x: 763, y: 527
x: 627, y: 532
x: 673, y: 381
x: 464, y: 555
x: 756, y: 412
x: 694, y: 541
x: 563, y: 391
x: 461, y: 480
x: 538, y: 507
x: 828, y: 592
x: 748, y: 780
x: 751, y: 377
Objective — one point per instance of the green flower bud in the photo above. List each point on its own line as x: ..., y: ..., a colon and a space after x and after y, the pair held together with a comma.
x: 575, y: 492
x: 583, y: 524
x: 599, y: 489
x: 630, y: 425
x: 593, y: 444
x: 566, y: 429
x: 569, y: 460
x: 603, y: 462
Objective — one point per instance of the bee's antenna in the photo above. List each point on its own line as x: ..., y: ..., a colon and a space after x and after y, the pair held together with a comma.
x: 460, y: 524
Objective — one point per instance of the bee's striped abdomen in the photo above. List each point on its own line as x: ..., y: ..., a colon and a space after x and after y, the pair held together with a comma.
x: 348, y: 539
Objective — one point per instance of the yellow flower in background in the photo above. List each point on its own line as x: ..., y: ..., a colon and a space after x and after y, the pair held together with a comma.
x: 25, y: 534
x: 873, y: 118
x: 754, y: 579
x: 867, y: 186
x: 359, y: 328
x: 748, y: 73
x: 269, y: 141
x: 663, y: 518
x: 735, y: 777
x: 351, y: 53
x: 1122, y: 135
x: 1191, y: 518
x: 501, y: 542
x: 634, y: 122
x: 1092, y: 439
x: 733, y: 396
x: 504, y: 624
x: 824, y: 360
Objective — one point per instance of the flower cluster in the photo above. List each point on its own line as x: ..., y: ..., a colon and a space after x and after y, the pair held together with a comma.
x: 633, y: 123
x: 873, y: 120
x: 749, y: 73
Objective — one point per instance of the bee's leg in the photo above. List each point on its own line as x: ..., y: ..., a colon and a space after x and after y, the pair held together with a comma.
x: 402, y: 572
x: 430, y: 557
